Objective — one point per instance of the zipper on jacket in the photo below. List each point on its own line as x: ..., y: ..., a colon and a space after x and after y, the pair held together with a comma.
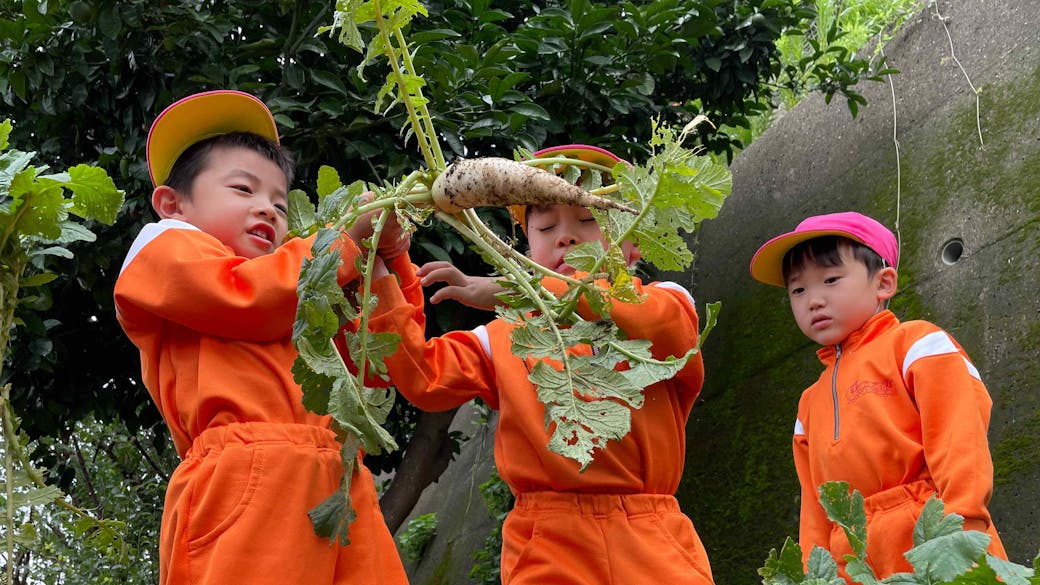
x: 834, y: 390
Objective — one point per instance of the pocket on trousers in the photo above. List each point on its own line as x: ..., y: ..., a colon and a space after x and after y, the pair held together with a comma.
x: 677, y: 530
x: 224, y: 487
x: 519, y: 535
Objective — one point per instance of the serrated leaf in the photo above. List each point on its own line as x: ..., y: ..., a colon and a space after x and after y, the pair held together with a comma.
x: 332, y: 517
x: 45, y: 202
x: 697, y: 185
x: 328, y: 181
x: 351, y: 413
x: 94, y: 195
x: 847, y: 511
x: 667, y: 251
x: 316, y: 387
x: 932, y: 523
x: 860, y: 571
x: 5, y: 132
x: 581, y: 428
x: 646, y: 373
x: 822, y: 567
x: 1008, y: 572
x: 378, y: 347
x: 785, y: 567
x: 943, y: 551
x: 585, y: 256
x: 303, y: 218
x: 944, y: 558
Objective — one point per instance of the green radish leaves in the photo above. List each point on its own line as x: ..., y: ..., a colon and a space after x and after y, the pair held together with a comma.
x: 586, y: 371
x: 943, y: 552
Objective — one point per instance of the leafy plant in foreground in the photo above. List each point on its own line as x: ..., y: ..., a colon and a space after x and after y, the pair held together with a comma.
x: 35, y: 224
x: 943, y: 553
x: 587, y: 399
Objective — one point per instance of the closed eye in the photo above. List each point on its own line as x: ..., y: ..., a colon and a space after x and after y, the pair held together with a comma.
x: 243, y: 188
x: 282, y: 208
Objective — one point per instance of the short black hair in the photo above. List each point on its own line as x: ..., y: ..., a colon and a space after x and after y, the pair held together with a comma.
x: 194, y: 159
x: 826, y: 251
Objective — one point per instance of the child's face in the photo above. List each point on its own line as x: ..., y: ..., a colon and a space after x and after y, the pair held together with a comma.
x: 239, y: 198
x: 830, y: 302
x: 552, y: 230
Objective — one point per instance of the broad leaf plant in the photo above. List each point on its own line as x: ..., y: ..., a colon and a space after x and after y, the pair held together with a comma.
x: 588, y: 400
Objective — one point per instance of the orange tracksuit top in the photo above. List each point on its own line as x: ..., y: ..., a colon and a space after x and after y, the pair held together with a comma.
x: 899, y: 413
x: 214, y: 333
x: 637, y: 475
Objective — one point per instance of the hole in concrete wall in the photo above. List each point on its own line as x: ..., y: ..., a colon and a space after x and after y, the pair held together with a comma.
x: 952, y: 251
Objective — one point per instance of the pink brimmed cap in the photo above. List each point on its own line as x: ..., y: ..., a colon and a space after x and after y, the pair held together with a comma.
x: 200, y: 116
x: 592, y: 154
x: 767, y: 263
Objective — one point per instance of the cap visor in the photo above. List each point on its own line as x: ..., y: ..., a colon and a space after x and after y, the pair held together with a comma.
x: 199, y: 117
x: 767, y: 263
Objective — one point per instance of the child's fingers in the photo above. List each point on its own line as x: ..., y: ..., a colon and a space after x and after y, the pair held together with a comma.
x: 448, y: 293
x: 425, y: 268
x: 447, y: 274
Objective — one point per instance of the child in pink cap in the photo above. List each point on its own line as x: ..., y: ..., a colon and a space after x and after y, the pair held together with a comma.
x: 899, y: 412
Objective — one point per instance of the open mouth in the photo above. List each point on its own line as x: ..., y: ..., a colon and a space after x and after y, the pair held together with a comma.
x: 263, y: 232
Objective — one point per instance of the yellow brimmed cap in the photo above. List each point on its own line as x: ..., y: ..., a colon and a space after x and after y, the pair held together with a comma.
x: 201, y: 116
x: 592, y: 154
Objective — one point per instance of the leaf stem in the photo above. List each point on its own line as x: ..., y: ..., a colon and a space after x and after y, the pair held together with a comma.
x: 366, y: 299
x: 424, y: 112
x: 402, y: 90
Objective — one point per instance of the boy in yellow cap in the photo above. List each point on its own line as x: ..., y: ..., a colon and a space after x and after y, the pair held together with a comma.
x: 618, y: 521
x: 899, y: 412
x: 208, y: 295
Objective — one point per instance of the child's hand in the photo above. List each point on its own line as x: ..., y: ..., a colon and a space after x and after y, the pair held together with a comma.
x: 379, y: 269
x: 393, y: 241
x: 473, y: 291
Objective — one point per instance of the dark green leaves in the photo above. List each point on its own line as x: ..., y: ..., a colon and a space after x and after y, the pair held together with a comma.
x: 943, y: 552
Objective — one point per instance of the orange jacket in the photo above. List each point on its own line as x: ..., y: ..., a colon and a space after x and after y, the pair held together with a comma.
x: 448, y: 371
x: 214, y: 329
x: 898, y: 403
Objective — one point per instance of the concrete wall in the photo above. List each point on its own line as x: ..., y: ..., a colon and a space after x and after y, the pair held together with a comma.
x: 739, y: 484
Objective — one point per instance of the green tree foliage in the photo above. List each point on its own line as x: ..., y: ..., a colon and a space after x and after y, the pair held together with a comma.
x: 84, y: 79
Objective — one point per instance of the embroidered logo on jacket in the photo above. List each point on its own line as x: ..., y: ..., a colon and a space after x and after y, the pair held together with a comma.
x: 861, y: 388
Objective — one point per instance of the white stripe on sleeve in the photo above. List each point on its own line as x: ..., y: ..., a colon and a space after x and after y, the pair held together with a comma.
x: 937, y: 343
x: 676, y: 286
x: 149, y: 233
x: 798, y: 428
x: 485, y: 340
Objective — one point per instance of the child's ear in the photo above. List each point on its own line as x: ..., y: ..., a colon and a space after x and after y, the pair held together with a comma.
x: 887, y: 281
x: 166, y: 201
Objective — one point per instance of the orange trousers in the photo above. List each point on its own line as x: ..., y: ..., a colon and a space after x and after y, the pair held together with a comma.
x: 891, y: 516
x: 236, y: 512
x: 601, y: 539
